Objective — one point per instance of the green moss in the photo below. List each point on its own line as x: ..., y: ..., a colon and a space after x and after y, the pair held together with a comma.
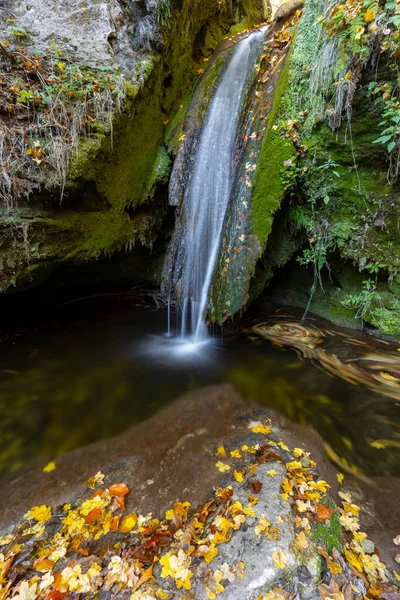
x: 329, y: 534
x: 268, y: 187
x: 388, y: 321
x: 175, y: 124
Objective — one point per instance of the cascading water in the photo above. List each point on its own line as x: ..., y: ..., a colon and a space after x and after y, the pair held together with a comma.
x: 209, y: 190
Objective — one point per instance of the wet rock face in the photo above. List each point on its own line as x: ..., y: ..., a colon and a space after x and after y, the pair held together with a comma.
x: 84, y: 28
x: 119, y: 160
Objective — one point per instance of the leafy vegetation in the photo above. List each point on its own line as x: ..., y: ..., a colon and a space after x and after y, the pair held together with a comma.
x: 47, y: 104
x: 365, y: 301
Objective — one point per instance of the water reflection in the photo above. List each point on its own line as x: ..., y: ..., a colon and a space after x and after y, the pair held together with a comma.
x: 99, y: 370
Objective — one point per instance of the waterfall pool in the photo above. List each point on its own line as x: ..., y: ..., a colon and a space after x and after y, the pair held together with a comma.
x: 95, y: 367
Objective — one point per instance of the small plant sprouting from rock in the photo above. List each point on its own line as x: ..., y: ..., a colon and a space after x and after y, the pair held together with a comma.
x: 365, y: 301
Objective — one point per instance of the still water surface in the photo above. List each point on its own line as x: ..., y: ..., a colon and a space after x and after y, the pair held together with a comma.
x: 102, y: 366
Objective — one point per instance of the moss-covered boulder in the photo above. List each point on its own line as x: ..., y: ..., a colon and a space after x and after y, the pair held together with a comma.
x: 83, y: 179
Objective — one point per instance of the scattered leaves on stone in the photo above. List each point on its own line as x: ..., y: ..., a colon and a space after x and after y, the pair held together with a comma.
x: 55, y: 553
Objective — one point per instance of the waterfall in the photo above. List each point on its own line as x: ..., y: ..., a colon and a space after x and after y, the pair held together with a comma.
x: 209, y: 189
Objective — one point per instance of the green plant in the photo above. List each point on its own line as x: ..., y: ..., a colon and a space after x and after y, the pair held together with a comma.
x: 386, y: 99
x: 58, y: 101
x: 163, y: 12
x: 364, y: 301
x: 320, y: 242
x: 25, y: 96
x: 18, y: 32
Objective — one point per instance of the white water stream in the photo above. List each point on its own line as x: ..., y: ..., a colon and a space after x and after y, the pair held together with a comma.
x: 210, y: 188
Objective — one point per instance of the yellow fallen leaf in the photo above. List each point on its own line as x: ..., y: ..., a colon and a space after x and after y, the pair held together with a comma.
x: 41, y: 514
x: 239, y: 476
x: 49, y: 467
x: 211, y: 554
x: 249, y: 512
x: 128, y: 523
x: 221, y: 452
x: 271, y: 473
x: 283, y: 446
x: 298, y: 452
x: 301, y: 541
x: 222, y: 467
x: 236, y: 454
x: 340, y: 477
x: 260, y: 428
x: 280, y: 559
x: 182, y: 137
x: 162, y: 595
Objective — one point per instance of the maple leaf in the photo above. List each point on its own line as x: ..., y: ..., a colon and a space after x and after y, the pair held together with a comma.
x: 26, y: 591
x: 235, y: 453
x: 262, y: 526
x: 177, y: 567
x: 271, y: 473
x: 331, y: 592
x: 323, y: 511
x: 182, y: 137
x: 301, y: 541
x: 211, y: 553
x: 260, y: 428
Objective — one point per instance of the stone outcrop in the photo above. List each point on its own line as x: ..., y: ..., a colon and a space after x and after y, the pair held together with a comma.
x: 76, y: 198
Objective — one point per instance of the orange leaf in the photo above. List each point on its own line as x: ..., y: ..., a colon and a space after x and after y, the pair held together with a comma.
x: 93, y: 515
x: 43, y: 565
x: 128, y: 523
x: 97, y: 493
x: 148, y: 574
x: 119, y: 502
x: 54, y: 595
x: 115, y: 523
x: 324, y: 512
x: 119, y: 489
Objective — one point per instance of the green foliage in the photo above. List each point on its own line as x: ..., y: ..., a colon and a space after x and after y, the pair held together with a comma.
x: 163, y: 12
x: 385, y: 98
x: 17, y: 32
x: 25, y: 96
x: 329, y: 534
x: 365, y: 301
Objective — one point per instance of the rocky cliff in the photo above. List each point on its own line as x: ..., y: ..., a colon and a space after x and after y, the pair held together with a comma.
x: 87, y: 91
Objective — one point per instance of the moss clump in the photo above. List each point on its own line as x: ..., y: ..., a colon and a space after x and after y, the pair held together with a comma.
x: 268, y: 187
x: 329, y: 534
